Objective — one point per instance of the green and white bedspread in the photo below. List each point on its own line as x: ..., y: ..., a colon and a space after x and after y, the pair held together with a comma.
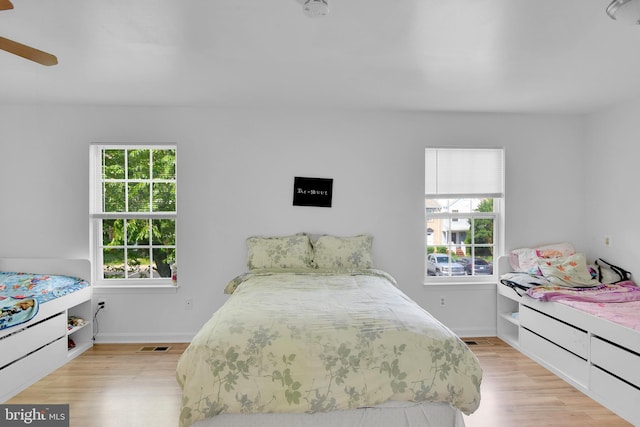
x: 314, y: 342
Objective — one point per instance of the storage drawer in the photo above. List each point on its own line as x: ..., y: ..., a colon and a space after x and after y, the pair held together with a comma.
x: 32, y: 338
x: 616, y: 395
x: 568, y: 337
x: 618, y: 361
x: 565, y: 364
x: 21, y: 374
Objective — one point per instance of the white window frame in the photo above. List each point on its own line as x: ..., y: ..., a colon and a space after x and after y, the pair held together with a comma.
x: 97, y: 214
x: 497, y: 216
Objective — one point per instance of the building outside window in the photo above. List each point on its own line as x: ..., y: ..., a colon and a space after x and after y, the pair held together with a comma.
x: 133, y: 214
x: 464, y: 199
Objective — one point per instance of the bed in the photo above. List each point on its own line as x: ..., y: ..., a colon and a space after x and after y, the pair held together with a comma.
x: 313, y: 335
x: 589, y: 336
x: 45, y: 318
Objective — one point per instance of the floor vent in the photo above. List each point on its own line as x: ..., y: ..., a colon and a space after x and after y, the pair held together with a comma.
x: 154, y: 349
x: 477, y: 342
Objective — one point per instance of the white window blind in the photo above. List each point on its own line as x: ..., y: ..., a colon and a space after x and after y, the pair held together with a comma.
x: 464, y: 172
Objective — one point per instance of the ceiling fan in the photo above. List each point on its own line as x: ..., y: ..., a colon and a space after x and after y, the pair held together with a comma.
x: 27, y: 52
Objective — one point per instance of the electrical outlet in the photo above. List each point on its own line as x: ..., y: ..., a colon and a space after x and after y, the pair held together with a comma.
x: 607, y: 240
x: 188, y: 303
x: 443, y: 302
x: 102, y: 304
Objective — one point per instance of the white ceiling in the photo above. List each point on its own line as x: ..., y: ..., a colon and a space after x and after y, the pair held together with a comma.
x: 448, y: 55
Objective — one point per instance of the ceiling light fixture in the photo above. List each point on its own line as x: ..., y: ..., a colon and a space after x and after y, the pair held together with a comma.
x: 627, y: 11
x: 315, y: 8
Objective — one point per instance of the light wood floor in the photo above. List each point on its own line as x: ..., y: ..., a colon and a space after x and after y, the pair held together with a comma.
x: 117, y: 386
x: 516, y: 391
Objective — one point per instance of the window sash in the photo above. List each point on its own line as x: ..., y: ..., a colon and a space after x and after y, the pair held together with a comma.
x: 470, y: 248
x: 128, y: 248
x: 98, y: 214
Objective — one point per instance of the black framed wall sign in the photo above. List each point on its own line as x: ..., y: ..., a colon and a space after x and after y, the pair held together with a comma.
x: 312, y: 191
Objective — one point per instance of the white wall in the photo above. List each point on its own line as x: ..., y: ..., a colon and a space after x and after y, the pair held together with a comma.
x: 236, y: 170
x: 612, y: 177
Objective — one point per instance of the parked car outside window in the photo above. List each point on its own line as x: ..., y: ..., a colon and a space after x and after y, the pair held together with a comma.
x: 443, y: 265
x: 475, y: 266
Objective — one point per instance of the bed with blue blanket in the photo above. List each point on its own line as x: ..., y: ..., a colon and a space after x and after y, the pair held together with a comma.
x: 37, y: 298
x: 22, y: 293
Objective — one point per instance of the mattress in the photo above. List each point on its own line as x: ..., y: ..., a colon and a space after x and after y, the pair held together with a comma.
x: 320, y: 342
x: 623, y: 313
x: 616, y: 302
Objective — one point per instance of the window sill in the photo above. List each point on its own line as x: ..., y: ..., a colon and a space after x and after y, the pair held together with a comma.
x: 135, y: 289
x: 485, y: 284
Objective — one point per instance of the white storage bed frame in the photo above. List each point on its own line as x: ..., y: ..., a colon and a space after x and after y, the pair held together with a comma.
x: 30, y: 351
x: 598, y: 357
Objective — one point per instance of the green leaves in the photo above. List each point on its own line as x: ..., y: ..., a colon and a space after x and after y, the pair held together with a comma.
x: 288, y: 360
x: 398, y: 385
x: 293, y: 396
x: 164, y: 164
x: 141, y: 181
x: 232, y: 365
x: 230, y: 380
x: 231, y: 356
x: 291, y: 392
x: 113, y: 165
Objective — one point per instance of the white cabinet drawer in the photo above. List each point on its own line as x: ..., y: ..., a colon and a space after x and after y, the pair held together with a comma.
x: 26, y: 371
x: 557, y: 359
x: 618, y: 361
x: 32, y: 338
x: 617, y: 395
x: 566, y: 336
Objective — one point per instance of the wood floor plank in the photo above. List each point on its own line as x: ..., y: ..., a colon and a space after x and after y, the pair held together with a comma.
x: 115, y: 385
x: 516, y: 391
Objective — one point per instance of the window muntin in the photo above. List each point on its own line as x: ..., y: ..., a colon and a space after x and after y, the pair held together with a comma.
x: 463, y: 219
x: 134, y: 213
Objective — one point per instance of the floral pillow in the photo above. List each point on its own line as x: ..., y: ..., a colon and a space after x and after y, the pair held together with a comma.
x: 525, y: 260
x: 279, y: 252
x: 571, y: 271
x: 343, y: 253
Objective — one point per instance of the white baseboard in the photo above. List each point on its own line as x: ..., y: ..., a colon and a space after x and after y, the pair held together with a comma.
x: 143, y: 338
x: 152, y: 337
x: 475, y: 333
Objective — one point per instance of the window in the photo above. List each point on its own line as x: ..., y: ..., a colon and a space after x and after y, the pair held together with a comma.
x: 133, y: 213
x: 464, y: 195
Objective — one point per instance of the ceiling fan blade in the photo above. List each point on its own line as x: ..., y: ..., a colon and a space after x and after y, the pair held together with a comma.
x: 5, y: 5
x: 27, y: 52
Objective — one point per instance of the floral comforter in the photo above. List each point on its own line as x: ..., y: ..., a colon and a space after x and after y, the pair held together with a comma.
x: 287, y: 342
